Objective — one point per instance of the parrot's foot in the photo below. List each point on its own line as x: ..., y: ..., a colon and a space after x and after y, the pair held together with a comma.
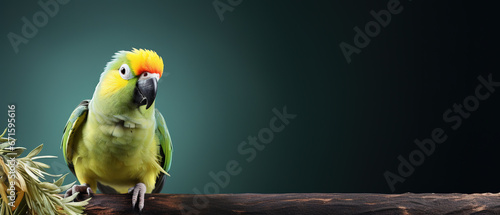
x: 83, y: 189
x: 138, y: 192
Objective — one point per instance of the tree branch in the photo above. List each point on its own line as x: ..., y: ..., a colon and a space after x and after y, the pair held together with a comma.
x: 300, y: 203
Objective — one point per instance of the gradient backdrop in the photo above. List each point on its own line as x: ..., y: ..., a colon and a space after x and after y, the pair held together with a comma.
x: 225, y: 77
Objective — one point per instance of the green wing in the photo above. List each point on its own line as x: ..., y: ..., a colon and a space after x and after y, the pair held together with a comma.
x: 76, y: 119
x: 164, y: 140
x: 165, y: 148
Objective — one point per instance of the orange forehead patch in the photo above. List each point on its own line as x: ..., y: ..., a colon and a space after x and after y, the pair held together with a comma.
x: 142, y: 60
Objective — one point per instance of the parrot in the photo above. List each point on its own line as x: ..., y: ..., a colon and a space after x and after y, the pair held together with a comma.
x: 117, y: 141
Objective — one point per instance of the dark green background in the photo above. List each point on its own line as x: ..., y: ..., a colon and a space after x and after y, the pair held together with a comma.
x: 224, y: 79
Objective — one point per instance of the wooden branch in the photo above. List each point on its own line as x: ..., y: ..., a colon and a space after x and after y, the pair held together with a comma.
x: 300, y: 203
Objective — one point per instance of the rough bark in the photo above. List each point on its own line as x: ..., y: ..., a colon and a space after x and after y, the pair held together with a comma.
x: 300, y: 203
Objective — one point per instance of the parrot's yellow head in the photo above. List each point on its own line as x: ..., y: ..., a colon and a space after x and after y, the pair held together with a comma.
x: 130, y: 79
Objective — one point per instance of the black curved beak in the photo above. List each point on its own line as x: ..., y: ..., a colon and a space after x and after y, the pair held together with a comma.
x: 145, y: 92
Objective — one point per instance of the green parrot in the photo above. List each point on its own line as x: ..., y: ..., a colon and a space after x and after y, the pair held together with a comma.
x: 118, y: 142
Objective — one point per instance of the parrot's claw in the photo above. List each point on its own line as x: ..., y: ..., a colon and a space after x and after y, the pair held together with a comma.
x: 82, y: 189
x: 138, y: 192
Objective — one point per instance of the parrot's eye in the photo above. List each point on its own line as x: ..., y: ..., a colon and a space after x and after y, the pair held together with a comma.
x: 125, y: 72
